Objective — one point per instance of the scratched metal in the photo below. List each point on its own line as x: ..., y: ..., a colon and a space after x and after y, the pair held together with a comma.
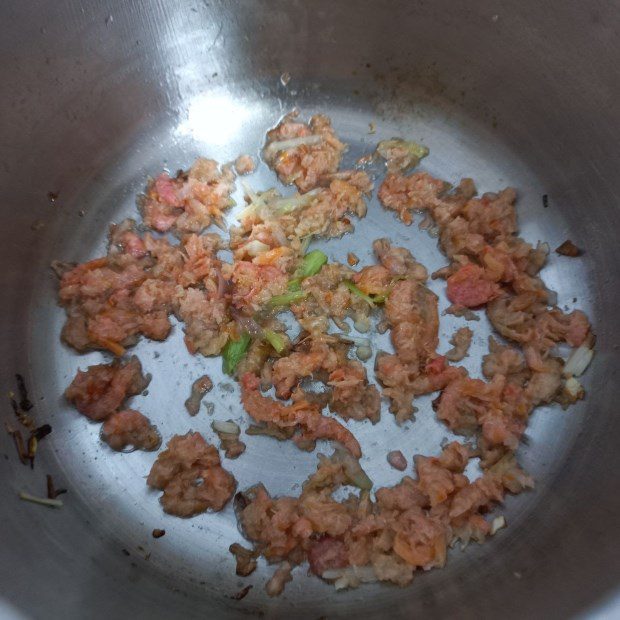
x: 99, y: 95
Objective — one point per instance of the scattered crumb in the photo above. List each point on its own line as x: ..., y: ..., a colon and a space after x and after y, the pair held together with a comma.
x: 282, y: 575
x: 157, y: 533
x: 372, y: 128
x: 352, y: 259
x: 242, y: 593
x: 245, y: 164
x: 397, y: 460
x: 200, y: 387
x: 460, y: 341
x: 568, y: 248
x: 497, y: 524
x: 246, y: 559
x: 466, y: 313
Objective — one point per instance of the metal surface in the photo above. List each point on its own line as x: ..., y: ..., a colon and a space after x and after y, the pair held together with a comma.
x: 96, y: 96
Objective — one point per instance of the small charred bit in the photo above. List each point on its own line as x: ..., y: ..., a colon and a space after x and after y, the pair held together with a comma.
x: 60, y: 268
x: 158, y: 533
x: 568, y: 248
x: 25, y: 403
x: 52, y: 491
x: 125, y: 552
x: 246, y: 559
x: 545, y: 201
x: 200, y: 387
x: 240, y: 502
x: 41, y: 431
x: 242, y: 593
x: 53, y: 196
x: 352, y: 259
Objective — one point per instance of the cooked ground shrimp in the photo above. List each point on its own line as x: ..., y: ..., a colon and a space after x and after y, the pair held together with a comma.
x: 328, y: 294
x: 232, y: 308
x: 491, y: 266
x: 130, y: 428
x: 98, y: 297
x: 312, y: 356
x: 302, y: 416
x: 352, y: 396
x: 201, y: 297
x: 272, y: 227
x: 398, y: 261
x: 253, y: 286
x: 302, y: 153
x: 282, y: 575
x: 408, y: 527
x: 200, y: 387
x: 189, y: 473
x: 113, y: 300
x: 416, y: 368
x: 402, y: 382
x: 327, y: 213
x: 506, y: 361
x: 189, y: 202
x: 397, y: 460
x: 245, y: 164
x: 324, y: 357
x: 100, y: 390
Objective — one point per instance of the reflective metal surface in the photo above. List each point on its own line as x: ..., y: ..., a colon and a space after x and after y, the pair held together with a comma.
x: 98, y: 95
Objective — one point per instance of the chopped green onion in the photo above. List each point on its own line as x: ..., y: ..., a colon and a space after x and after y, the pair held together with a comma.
x: 359, y: 293
x: 310, y: 265
x: 276, y: 340
x: 406, y: 154
x: 305, y: 242
x: 282, y: 206
x: 234, y: 352
x: 353, y: 470
x: 283, y: 145
x: 287, y: 299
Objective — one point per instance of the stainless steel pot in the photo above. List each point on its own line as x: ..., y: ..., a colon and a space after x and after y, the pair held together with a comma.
x: 96, y: 96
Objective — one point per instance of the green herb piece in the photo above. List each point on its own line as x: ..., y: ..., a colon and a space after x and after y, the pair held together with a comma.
x: 276, y: 340
x: 233, y: 353
x: 287, y: 299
